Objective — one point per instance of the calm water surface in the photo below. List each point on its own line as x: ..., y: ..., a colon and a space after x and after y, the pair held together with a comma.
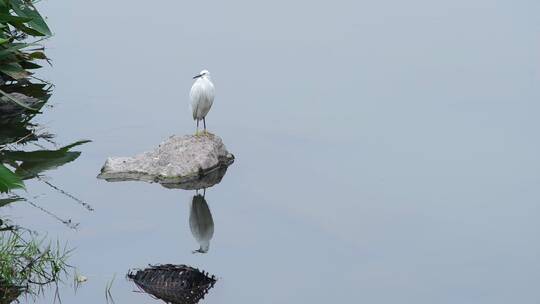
x: 384, y: 152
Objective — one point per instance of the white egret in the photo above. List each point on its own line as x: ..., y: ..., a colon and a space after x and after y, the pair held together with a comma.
x: 202, y: 97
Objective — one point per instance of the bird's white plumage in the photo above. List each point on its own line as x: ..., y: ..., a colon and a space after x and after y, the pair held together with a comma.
x: 202, y: 95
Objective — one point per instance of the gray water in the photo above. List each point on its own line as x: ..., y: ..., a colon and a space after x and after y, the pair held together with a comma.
x: 385, y: 152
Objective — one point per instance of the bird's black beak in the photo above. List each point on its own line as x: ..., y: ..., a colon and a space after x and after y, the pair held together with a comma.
x: 197, y: 76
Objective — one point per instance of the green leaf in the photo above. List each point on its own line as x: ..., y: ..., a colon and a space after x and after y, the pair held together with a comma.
x: 39, y: 155
x: 9, y: 180
x: 49, y: 161
x: 3, y: 40
x: 7, y: 18
x: 77, y: 143
x: 14, y: 70
x: 15, y: 100
x: 35, y: 162
x: 40, y: 91
x: 27, y: 9
x: 28, y: 30
x: 13, y: 48
x: 38, y: 55
x: 29, y: 65
x: 14, y: 131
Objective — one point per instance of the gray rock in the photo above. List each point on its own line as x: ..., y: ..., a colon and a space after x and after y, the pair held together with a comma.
x: 186, y: 162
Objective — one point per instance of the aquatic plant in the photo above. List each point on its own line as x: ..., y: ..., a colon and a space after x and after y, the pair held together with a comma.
x: 108, y: 295
x: 17, y: 130
x: 9, y: 180
x: 19, y: 20
x: 28, y: 265
x: 29, y: 164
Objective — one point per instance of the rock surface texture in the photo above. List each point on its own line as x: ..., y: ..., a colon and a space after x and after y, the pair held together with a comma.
x: 186, y: 162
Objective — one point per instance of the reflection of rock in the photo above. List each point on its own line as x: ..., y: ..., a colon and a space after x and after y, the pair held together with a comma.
x: 203, y: 181
x: 186, y: 162
x: 178, y: 284
x: 201, y: 222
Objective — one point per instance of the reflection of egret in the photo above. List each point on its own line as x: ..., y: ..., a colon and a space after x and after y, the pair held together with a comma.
x: 201, y: 222
x: 202, y: 96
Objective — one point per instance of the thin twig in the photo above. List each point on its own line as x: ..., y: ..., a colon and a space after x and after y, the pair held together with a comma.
x: 42, y: 80
x: 68, y: 223
x: 81, y: 202
x: 18, y: 141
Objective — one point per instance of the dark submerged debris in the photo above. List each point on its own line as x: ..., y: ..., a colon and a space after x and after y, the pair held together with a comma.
x: 177, y: 284
x: 8, y: 293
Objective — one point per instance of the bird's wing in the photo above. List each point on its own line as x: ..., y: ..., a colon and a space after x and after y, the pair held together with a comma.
x: 196, y: 95
x: 210, y: 93
x: 207, y: 98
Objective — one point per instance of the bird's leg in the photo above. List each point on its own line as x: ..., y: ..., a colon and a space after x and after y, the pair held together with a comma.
x: 204, y: 123
x: 197, y: 132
